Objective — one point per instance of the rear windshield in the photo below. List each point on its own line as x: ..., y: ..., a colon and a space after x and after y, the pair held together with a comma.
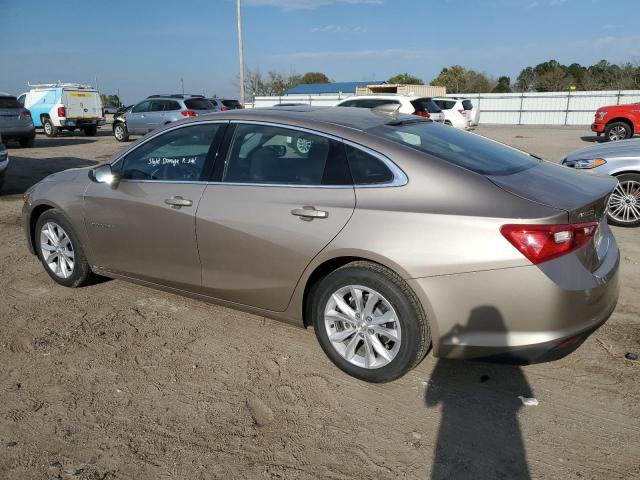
x: 446, y: 104
x: 467, y: 150
x: 9, y: 102
x: 425, y: 105
x: 467, y: 104
x: 231, y: 103
x: 198, y: 104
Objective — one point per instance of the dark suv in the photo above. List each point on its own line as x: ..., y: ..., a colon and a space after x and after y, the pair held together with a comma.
x: 224, y: 104
x: 15, y: 121
x: 156, y: 111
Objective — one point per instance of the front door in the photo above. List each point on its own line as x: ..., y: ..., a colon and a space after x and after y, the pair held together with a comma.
x: 137, y: 120
x: 275, y: 207
x: 143, y: 225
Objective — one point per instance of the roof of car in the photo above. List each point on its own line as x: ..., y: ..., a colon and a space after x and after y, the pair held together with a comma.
x: 312, y: 116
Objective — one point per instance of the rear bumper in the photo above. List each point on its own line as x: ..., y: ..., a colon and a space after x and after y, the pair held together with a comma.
x: 18, y: 133
x: 598, y: 127
x: 518, y: 315
x: 81, y: 122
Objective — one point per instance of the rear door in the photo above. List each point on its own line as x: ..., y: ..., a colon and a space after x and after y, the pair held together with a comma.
x: 143, y: 225
x: 82, y: 104
x: 271, y: 210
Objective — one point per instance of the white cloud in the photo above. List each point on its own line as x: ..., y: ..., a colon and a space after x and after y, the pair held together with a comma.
x: 306, y: 4
x: 338, y: 29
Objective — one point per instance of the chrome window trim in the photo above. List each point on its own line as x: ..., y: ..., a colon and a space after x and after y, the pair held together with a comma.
x: 399, y: 177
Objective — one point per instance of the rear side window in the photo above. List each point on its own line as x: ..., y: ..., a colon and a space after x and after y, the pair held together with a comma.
x: 142, y: 107
x: 9, y: 102
x: 231, y: 103
x: 367, y: 169
x: 263, y: 154
x: 472, y: 152
x: 445, y: 104
x: 467, y: 104
x: 425, y: 105
x: 198, y: 104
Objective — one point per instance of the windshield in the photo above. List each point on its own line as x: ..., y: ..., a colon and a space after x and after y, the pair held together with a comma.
x: 467, y: 150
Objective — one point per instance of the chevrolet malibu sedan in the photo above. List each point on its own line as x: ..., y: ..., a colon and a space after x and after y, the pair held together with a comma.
x: 390, y: 235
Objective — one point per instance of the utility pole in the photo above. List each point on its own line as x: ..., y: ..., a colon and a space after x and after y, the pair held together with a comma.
x: 240, y: 54
x: 182, y: 84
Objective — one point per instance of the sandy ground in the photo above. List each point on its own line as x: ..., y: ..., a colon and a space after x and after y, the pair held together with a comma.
x: 117, y: 381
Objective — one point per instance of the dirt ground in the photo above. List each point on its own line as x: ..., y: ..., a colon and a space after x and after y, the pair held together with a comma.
x: 117, y: 381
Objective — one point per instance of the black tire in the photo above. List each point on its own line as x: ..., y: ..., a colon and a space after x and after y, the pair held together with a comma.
x: 120, y: 132
x: 81, y: 273
x: 50, y: 130
x: 415, y: 332
x: 91, y: 130
x: 27, y: 142
x: 617, y: 131
x: 633, y: 180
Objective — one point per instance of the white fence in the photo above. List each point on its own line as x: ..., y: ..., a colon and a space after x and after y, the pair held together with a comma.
x: 544, y: 108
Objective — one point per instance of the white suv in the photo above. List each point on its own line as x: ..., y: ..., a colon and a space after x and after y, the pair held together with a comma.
x: 458, y: 112
x: 413, y: 105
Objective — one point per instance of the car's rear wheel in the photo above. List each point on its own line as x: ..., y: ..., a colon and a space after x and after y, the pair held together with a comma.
x: 617, y: 131
x: 90, y: 131
x: 624, y: 203
x: 369, y: 322
x: 50, y: 130
x: 60, y: 250
x: 120, y: 132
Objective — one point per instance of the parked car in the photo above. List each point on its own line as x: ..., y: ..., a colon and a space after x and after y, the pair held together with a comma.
x: 64, y: 106
x: 15, y: 121
x: 617, y: 122
x: 4, y: 162
x: 158, y: 110
x: 622, y: 161
x: 393, y: 233
x: 413, y: 105
x: 459, y: 112
x: 110, y: 109
x: 224, y: 104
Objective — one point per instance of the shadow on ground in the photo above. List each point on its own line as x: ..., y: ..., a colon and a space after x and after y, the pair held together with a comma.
x: 24, y: 172
x: 479, y: 434
x: 592, y: 139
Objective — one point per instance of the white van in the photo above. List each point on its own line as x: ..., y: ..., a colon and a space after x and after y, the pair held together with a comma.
x: 64, y: 106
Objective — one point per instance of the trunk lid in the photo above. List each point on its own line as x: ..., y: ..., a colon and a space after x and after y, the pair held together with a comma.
x: 82, y: 104
x: 583, y: 196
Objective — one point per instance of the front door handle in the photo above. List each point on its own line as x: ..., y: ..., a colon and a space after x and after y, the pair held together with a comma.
x: 308, y: 213
x: 178, y: 202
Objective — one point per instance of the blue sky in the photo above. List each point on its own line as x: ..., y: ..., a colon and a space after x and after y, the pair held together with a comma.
x: 142, y: 46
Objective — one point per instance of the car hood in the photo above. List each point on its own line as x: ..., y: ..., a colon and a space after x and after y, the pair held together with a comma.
x: 622, y: 148
x: 583, y: 196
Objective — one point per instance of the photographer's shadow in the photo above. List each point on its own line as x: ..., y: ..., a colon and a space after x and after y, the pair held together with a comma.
x: 479, y: 434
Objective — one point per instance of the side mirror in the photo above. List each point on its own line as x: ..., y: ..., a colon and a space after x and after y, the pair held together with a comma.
x: 102, y: 174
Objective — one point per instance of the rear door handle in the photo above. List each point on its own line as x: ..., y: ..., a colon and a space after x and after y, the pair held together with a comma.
x: 178, y: 202
x: 308, y: 213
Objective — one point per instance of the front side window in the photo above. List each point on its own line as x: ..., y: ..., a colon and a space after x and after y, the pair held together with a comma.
x: 177, y: 155
x: 264, y: 154
x: 142, y: 107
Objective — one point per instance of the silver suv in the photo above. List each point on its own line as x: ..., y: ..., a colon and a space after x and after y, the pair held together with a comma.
x: 158, y: 110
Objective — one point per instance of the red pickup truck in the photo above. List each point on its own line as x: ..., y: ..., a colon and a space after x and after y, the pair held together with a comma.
x: 617, y: 122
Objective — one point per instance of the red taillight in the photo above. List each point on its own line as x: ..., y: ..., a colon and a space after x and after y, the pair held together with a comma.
x: 189, y: 113
x: 463, y: 113
x: 540, y: 243
x: 422, y: 114
x: 26, y: 113
x: 61, y: 112
x: 223, y: 108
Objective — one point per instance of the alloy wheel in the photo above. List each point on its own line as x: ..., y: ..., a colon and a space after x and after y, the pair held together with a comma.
x: 119, y: 132
x: 362, y: 326
x: 624, y: 203
x: 617, y: 133
x: 47, y: 128
x: 57, y: 249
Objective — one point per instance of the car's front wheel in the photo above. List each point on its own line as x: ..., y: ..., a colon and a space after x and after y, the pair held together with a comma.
x: 369, y: 322
x: 624, y: 203
x: 60, y: 250
x: 617, y: 131
x: 120, y: 132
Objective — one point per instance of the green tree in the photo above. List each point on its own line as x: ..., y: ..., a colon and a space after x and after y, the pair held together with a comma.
x: 314, y: 77
x: 503, y: 85
x: 458, y: 79
x: 405, y: 79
